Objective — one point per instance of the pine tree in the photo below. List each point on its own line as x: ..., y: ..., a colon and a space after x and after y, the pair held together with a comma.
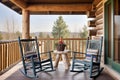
x: 1, y: 36
x: 60, y: 29
x: 84, y: 33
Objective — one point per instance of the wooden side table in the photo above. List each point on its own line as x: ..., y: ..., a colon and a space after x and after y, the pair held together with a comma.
x: 64, y: 58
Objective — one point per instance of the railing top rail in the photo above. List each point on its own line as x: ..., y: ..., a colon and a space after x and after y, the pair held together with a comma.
x: 63, y: 38
x: 7, y: 41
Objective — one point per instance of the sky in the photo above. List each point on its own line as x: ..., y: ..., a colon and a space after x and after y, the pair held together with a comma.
x: 40, y: 23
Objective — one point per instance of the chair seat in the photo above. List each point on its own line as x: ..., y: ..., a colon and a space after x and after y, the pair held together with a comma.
x: 83, y: 61
x: 28, y: 56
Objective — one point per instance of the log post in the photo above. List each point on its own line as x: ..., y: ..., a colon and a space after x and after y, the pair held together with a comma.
x: 25, y: 24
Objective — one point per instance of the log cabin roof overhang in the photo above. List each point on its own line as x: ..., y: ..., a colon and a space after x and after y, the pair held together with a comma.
x: 50, y: 6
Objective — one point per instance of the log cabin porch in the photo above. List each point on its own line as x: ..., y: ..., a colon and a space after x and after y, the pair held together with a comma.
x: 93, y: 8
x: 10, y: 61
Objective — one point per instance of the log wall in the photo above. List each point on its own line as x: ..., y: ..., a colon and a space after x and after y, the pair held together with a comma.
x: 99, y: 18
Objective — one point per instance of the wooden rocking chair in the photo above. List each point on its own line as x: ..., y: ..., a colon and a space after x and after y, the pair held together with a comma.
x: 92, y: 58
x: 32, y: 63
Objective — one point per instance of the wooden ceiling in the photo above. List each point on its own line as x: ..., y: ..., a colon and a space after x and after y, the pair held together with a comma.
x: 57, y: 1
x: 50, y: 6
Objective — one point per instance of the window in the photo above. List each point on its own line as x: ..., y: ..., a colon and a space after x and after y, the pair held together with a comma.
x: 117, y: 31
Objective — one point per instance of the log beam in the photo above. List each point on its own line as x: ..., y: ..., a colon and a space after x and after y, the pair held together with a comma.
x: 19, y: 3
x: 59, y: 7
x: 25, y: 24
x: 33, y: 8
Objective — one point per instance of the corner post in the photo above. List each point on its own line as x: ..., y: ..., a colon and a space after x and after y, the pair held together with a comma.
x: 25, y: 24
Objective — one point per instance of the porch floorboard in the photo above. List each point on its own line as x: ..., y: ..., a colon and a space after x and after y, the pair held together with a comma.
x: 59, y: 74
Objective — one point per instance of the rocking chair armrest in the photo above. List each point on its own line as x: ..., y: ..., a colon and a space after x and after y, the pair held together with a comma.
x: 49, y: 53
x: 78, y: 52
x: 46, y: 52
x: 74, y: 54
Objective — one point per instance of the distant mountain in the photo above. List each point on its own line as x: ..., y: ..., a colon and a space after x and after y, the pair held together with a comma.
x: 37, y: 33
x: 72, y: 34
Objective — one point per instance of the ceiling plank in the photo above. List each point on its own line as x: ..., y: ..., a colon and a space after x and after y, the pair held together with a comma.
x: 14, y: 7
x: 4, y: 1
x: 58, y: 1
x: 96, y: 2
x: 19, y: 3
x: 59, y: 7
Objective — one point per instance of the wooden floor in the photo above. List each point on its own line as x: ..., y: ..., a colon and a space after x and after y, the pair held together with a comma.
x: 59, y: 74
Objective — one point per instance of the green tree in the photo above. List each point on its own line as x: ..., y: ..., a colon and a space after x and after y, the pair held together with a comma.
x: 41, y: 35
x: 84, y: 32
x: 18, y: 34
x: 60, y: 29
x: 1, y: 36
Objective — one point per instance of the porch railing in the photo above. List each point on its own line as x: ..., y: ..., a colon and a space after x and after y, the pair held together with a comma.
x: 9, y: 54
x: 73, y: 44
x: 9, y: 50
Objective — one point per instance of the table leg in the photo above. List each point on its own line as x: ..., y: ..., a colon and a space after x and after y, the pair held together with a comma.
x: 57, y: 60
x: 64, y: 57
x: 68, y: 61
